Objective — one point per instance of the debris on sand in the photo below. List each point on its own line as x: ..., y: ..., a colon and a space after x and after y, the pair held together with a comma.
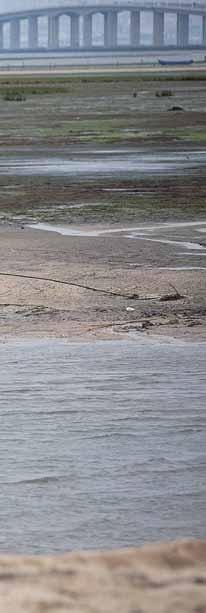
x: 176, y: 108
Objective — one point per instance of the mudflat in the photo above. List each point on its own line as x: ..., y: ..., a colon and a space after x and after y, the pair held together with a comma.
x: 114, y: 283
x: 102, y: 204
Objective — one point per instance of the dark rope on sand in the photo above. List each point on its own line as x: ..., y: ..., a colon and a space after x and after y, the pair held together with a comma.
x: 95, y: 289
x: 70, y: 283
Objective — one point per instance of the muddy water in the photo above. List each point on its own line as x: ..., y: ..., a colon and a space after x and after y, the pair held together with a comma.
x: 109, y: 162
x: 102, y: 444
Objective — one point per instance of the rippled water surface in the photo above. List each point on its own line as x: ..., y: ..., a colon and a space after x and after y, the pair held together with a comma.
x: 102, y: 444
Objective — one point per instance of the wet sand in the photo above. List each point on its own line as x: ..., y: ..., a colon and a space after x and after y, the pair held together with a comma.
x: 168, y: 577
x: 122, y: 281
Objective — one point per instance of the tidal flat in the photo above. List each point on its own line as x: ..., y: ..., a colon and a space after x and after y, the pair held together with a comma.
x: 100, y: 155
x: 102, y: 310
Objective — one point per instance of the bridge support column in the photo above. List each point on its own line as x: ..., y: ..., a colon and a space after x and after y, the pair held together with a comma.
x: 53, y: 32
x: 158, y: 28
x: 1, y: 35
x: 87, y: 31
x: 135, y: 28
x: 182, y: 30
x: 75, y: 31
x: 15, y: 34
x: 33, y: 32
x: 110, y: 29
x: 204, y: 30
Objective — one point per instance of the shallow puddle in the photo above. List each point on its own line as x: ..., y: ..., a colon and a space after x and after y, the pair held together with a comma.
x: 139, y: 231
x: 160, y: 233
x: 64, y: 230
x: 102, y: 444
x: 188, y: 245
x: 109, y: 162
x: 157, y: 233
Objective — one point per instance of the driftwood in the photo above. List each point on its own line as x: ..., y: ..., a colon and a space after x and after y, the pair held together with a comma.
x: 175, y: 296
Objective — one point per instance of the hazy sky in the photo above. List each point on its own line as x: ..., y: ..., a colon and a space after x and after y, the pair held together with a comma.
x: 9, y: 5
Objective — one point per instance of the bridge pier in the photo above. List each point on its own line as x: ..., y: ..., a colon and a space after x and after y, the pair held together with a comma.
x: 158, y: 29
x: 182, y: 30
x: 109, y: 13
x: 1, y: 35
x: 110, y: 29
x: 204, y: 30
x: 87, y: 31
x: 15, y: 34
x: 135, y: 28
x: 75, y: 31
x: 53, y: 32
x: 32, y: 32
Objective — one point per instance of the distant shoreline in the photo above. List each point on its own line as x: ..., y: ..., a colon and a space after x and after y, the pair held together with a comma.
x: 145, y: 59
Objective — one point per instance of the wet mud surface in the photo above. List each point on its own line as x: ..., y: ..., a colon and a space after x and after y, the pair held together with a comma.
x: 90, y: 162
x: 105, y: 163
x: 99, y: 281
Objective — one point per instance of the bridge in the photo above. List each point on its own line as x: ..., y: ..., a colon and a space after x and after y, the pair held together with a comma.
x: 79, y: 19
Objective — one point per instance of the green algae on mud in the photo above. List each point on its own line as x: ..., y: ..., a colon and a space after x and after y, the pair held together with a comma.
x: 71, y: 119
x: 195, y: 135
x: 100, y: 108
x: 114, y: 201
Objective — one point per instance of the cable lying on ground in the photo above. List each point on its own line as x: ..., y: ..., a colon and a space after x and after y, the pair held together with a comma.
x: 134, y: 296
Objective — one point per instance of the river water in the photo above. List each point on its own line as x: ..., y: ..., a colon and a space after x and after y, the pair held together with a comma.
x: 102, y: 444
